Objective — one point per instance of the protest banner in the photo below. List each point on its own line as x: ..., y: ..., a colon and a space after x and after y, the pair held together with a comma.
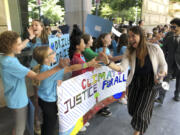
x: 60, y: 46
x: 96, y: 25
x: 78, y: 96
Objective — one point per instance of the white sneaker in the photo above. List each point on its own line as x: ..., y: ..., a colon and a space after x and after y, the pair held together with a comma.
x: 87, y: 124
x: 123, y: 101
x: 83, y: 129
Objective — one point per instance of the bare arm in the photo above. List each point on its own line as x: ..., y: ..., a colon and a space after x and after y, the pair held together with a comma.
x: 120, y: 68
x: 31, y: 36
x: 31, y: 74
x: 115, y: 67
x: 63, y: 63
x: 75, y: 67
x: 116, y: 58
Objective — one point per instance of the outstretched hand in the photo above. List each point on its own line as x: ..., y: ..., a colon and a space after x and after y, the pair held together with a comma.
x: 94, y: 63
x: 103, y: 57
x: 64, y: 62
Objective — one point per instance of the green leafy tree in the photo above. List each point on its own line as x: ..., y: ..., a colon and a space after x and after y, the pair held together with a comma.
x: 124, y: 9
x: 175, y: 0
x: 49, y: 9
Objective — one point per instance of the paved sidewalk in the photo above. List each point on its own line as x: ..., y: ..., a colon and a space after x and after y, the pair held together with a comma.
x: 165, y: 120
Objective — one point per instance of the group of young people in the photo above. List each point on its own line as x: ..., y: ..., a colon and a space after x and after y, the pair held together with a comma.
x: 146, y: 62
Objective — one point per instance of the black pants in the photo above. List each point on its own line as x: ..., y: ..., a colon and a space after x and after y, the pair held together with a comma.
x: 162, y: 92
x: 49, y: 110
x: 177, y: 91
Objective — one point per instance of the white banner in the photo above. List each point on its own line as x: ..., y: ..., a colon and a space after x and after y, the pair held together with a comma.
x: 78, y: 95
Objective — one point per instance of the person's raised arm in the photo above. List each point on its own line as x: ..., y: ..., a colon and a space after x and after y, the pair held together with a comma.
x: 31, y: 36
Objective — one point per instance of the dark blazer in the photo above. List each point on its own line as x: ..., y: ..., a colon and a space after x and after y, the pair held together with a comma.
x: 171, y: 49
x: 177, y: 51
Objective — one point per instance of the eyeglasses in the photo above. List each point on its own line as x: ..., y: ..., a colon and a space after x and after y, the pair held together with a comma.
x: 53, y: 52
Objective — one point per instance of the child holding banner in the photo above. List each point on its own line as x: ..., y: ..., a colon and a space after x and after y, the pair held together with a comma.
x: 147, y: 64
x: 45, y: 56
x: 77, y: 46
x: 13, y: 78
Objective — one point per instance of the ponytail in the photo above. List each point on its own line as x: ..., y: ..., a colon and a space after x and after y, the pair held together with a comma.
x: 36, y: 69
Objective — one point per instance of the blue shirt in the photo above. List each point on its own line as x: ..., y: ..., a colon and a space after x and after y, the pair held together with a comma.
x: 122, y: 51
x: 34, y: 45
x: 13, y: 78
x: 48, y: 87
x: 101, y: 49
x: 38, y: 42
x: 114, y: 45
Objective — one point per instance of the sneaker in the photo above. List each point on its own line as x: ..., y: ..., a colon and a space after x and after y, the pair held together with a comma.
x: 123, y: 101
x: 86, y: 124
x: 37, y: 128
x: 107, y: 108
x: 158, y: 100
x: 106, y: 113
x: 83, y: 129
x: 176, y: 98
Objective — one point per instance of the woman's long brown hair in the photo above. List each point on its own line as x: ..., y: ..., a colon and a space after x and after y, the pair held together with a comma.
x: 142, y: 47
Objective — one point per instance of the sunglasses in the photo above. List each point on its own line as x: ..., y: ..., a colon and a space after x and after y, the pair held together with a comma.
x: 173, y: 27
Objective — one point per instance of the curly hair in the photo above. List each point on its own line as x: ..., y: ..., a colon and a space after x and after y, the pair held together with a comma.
x: 99, y: 43
x: 7, y: 39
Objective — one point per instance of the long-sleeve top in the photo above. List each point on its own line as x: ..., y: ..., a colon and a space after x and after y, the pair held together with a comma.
x: 156, y: 56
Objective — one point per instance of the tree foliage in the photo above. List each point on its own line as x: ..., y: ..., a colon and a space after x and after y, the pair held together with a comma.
x: 50, y: 9
x: 125, y: 9
x: 175, y: 0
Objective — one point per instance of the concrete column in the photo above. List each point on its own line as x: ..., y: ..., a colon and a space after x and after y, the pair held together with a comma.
x: 15, y: 16
x: 5, y: 23
x: 76, y: 12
